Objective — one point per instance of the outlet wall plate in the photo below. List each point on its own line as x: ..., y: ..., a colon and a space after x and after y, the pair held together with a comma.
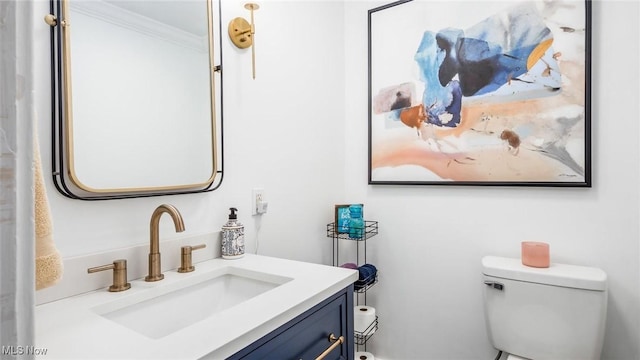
x: 257, y: 194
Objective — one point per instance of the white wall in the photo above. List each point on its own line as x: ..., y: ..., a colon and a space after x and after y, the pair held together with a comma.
x: 432, y: 238
x: 283, y: 132
x: 299, y: 130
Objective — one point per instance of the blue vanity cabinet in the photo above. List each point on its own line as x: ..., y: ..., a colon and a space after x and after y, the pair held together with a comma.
x: 307, y: 336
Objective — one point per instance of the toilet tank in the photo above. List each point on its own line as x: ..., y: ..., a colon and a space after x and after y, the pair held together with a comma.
x: 555, y: 313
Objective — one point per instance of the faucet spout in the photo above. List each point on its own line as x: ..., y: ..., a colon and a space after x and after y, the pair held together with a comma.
x: 155, y: 271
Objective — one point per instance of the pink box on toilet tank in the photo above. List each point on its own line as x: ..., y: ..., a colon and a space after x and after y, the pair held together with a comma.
x: 535, y: 254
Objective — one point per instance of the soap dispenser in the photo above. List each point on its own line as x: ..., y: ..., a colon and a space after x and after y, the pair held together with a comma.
x: 232, y: 237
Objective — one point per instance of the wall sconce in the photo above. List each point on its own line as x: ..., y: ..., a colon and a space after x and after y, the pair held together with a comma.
x: 242, y: 34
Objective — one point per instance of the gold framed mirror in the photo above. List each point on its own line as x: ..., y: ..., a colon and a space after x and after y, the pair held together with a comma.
x: 134, y: 95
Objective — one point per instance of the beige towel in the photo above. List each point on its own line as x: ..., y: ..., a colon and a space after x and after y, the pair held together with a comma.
x: 48, y: 260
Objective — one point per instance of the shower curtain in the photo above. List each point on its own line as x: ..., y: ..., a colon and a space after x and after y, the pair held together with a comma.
x: 17, y: 284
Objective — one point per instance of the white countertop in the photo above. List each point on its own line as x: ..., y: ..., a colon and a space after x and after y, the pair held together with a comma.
x: 70, y: 328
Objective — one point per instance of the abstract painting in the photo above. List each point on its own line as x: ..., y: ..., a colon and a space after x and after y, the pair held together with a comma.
x: 480, y: 93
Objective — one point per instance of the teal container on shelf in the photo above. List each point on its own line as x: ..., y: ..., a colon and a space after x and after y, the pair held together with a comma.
x: 356, y: 223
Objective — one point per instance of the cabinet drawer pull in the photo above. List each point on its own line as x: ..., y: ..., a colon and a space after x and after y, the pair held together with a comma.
x: 335, y: 343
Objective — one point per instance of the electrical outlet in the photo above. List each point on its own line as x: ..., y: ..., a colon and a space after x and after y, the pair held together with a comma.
x: 257, y: 196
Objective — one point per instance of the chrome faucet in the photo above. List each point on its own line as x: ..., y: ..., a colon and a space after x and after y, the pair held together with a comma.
x: 155, y: 271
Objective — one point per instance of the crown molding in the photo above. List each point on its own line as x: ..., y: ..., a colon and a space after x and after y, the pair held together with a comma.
x: 126, y: 19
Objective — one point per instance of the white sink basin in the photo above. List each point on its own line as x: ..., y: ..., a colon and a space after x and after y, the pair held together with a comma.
x: 129, y: 325
x: 163, y: 310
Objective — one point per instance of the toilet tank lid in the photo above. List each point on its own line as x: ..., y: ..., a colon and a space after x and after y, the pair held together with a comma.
x: 573, y: 276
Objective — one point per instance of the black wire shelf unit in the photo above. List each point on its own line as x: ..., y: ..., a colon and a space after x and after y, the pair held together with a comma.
x: 361, y: 338
x: 362, y: 285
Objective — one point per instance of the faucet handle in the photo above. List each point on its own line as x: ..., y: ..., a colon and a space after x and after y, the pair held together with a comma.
x: 119, y: 268
x: 185, y: 257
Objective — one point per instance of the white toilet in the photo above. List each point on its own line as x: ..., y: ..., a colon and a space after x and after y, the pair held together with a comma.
x: 554, y: 313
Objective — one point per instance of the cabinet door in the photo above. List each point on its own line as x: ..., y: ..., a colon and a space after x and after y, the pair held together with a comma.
x: 307, y: 336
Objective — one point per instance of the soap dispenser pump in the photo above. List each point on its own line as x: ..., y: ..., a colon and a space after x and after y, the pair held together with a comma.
x: 232, y: 237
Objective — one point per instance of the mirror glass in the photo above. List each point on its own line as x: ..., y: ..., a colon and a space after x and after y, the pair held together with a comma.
x: 139, y: 112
